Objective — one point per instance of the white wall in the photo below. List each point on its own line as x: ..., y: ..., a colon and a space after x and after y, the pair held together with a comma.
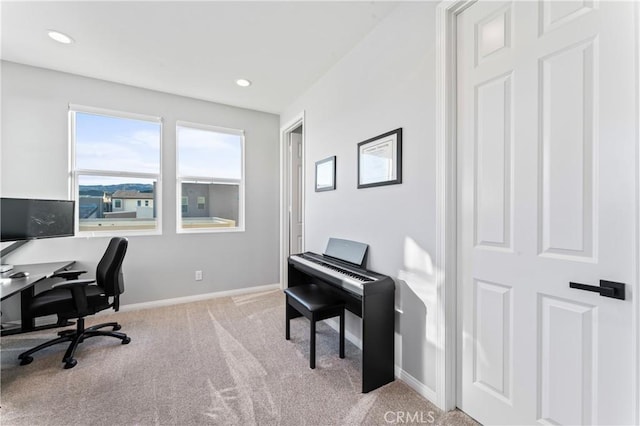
x: 34, y: 163
x: 386, y: 82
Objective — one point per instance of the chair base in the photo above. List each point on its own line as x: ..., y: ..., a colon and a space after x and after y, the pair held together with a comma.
x: 76, y: 337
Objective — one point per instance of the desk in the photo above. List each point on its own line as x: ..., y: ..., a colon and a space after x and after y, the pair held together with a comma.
x: 25, y: 286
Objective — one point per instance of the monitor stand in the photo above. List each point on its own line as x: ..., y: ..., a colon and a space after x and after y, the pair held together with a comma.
x: 8, y: 249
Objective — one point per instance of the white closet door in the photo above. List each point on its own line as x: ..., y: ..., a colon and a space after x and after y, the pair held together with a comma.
x: 547, y: 196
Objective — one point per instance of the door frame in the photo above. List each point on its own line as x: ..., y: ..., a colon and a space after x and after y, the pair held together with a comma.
x: 636, y: 293
x: 285, y: 173
x: 446, y: 201
x: 446, y: 257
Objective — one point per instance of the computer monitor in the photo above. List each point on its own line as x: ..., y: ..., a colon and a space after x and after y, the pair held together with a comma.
x: 28, y: 219
x: 23, y: 220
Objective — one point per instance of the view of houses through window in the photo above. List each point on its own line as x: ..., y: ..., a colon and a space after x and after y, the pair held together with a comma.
x: 116, y: 170
x: 116, y: 173
x: 210, y: 177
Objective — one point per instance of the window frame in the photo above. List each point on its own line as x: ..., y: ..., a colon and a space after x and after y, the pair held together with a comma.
x: 75, y: 173
x: 180, y: 179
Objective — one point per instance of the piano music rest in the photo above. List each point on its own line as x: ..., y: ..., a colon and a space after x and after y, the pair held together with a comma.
x: 314, y: 304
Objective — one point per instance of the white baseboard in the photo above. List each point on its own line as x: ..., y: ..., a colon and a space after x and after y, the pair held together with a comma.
x: 356, y: 340
x: 196, y: 298
x: 399, y: 373
x: 416, y: 385
x: 335, y: 324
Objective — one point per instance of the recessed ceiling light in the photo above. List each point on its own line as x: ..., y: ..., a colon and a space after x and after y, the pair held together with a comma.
x: 242, y: 82
x: 59, y: 37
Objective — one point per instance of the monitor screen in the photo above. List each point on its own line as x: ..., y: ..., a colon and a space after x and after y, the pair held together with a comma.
x: 26, y: 219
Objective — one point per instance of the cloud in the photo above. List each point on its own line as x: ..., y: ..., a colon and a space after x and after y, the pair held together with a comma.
x: 206, y: 140
x: 99, y: 155
x: 206, y: 153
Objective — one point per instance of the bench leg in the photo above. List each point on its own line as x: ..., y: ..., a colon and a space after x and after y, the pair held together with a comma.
x: 342, y: 334
x: 287, y: 325
x: 312, y: 348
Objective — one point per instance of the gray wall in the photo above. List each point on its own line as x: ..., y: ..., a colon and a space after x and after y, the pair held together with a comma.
x: 34, y: 163
x: 223, y: 201
x: 386, y: 82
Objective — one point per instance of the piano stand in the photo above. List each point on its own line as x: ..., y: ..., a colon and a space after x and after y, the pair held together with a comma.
x: 316, y: 305
x: 374, y: 304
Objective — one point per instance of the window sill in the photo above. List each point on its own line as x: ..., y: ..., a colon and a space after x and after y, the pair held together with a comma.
x: 118, y: 233
x: 219, y: 230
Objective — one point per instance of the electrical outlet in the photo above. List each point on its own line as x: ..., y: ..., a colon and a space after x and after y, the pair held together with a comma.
x: 198, y: 275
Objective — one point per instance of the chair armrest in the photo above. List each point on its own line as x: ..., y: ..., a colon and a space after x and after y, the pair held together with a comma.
x: 71, y: 274
x: 79, y: 293
x: 72, y: 284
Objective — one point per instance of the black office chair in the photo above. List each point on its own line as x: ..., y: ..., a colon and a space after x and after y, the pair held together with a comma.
x: 75, y: 299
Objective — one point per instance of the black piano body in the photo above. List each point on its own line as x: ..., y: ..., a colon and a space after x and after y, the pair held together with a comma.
x: 366, y: 294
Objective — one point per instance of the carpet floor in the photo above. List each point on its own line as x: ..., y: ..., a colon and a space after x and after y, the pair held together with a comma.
x: 219, y: 361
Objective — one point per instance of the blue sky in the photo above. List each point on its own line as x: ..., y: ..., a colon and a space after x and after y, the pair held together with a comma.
x: 110, y: 143
x: 127, y: 145
x: 207, y: 153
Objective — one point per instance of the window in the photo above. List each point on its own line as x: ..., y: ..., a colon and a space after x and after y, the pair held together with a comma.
x: 185, y: 205
x: 210, y: 175
x: 116, y: 167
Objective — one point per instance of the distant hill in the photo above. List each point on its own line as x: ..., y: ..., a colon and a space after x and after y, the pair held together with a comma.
x: 98, y: 190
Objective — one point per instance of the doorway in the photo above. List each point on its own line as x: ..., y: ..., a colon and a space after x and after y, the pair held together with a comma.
x: 293, y: 187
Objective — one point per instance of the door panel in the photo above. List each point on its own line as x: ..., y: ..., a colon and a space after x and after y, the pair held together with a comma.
x: 557, y: 13
x: 568, y: 351
x: 493, y: 339
x: 493, y: 166
x: 567, y: 123
x: 546, y: 196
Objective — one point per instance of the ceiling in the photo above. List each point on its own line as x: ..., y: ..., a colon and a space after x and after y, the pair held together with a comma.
x: 196, y: 49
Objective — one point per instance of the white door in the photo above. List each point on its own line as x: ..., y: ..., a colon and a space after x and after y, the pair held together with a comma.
x: 546, y: 196
x: 296, y: 212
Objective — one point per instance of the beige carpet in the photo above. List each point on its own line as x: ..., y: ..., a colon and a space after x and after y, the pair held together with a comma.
x: 220, y: 361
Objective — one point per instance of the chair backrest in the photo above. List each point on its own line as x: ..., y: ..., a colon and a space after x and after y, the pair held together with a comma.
x: 109, y: 270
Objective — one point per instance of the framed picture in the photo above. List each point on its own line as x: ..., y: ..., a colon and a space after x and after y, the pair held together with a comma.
x: 326, y: 174
x: 380, y: 160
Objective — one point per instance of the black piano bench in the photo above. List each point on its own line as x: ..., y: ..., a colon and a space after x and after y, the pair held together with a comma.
x: 314, y: 304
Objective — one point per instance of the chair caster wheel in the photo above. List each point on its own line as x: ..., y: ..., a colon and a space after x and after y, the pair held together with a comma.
x: 26, y: 360
x: 70, y: 363
x: 126, y: 340
x: 117, y: 327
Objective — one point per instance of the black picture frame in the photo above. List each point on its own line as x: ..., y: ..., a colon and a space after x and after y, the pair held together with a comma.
x: 326, y: 174
x: 380, y: 160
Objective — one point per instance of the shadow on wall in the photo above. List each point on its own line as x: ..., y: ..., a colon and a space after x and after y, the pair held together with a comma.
x: 416, y: 300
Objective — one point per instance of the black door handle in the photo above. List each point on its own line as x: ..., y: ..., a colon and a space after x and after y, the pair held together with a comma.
x: 606, y: 289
